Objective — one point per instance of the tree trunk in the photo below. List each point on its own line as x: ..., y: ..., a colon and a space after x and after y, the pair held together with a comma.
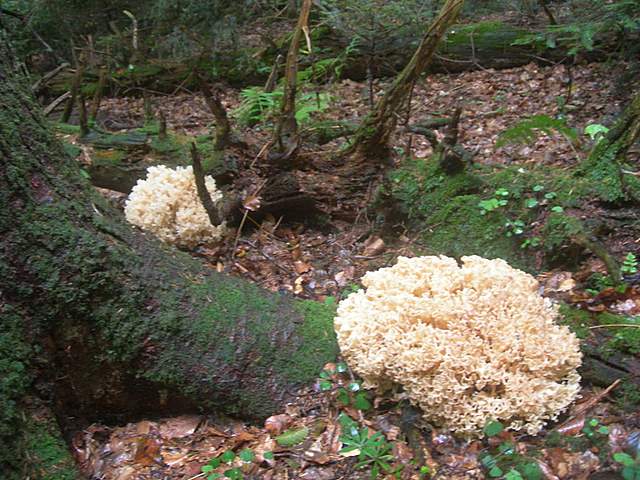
x: 109, y: 323
x: 286, y: 134
x: 372, y: 138
x: 75, y: 89
x: 611, y: 182
x: 97, y: 96
x: 223, y: 127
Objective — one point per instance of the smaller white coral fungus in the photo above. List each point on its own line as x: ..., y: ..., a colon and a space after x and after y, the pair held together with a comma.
x: 469, y: 343
x: 167, y: 205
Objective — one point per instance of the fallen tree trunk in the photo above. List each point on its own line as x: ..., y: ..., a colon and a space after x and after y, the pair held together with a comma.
x: 123, y: 325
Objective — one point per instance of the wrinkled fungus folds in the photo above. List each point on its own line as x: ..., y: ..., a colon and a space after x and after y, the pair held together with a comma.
x: 166, y: 204
x: 469, y: 343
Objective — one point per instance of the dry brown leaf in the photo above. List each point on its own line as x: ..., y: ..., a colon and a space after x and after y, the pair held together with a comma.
x: 301, y: 267
x: 373, y: 246
x: 180, y: 427
x: 147, y: 451
x: 276, y: 424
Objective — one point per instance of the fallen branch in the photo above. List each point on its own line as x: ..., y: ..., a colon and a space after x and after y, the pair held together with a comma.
x: 590, y: 403
x: 48, y: 76
x: 53, y: 105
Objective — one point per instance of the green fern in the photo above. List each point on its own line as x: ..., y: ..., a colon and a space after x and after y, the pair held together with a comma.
x: 528, y: 130
x: 259, y: 106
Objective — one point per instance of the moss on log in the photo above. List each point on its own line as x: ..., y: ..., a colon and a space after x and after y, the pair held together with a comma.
x: 122, y: 325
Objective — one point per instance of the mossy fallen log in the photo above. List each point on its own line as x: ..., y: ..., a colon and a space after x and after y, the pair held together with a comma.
x: 110, y: 323
x: 473, y: 46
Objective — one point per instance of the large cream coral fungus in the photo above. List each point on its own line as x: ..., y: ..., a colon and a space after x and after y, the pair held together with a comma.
x: 167, y: 205
x: 469, y: 343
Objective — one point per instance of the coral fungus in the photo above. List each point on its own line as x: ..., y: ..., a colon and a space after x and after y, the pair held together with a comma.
x: 167, y: 205
x: 469, y: 343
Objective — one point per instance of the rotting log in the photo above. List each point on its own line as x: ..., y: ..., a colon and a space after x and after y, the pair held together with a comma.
x: 123, y: 325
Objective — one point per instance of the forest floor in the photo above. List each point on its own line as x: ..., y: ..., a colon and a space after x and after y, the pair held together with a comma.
x: 324, y: 261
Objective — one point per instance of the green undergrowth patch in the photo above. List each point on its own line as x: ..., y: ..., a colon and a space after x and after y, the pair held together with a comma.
x: 496, y: 213
x: 612, y: 341
x: 49, y: 457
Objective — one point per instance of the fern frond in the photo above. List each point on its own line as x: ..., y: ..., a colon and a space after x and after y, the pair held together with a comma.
x: 528, y: 130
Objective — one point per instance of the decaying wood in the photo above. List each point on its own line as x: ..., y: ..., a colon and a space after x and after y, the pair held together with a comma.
x: 372, y: 138
x: 201, y: 187
x: 53, y: 105
x: 48, y: 76
x: 223, y: 127
x: 271, y: 82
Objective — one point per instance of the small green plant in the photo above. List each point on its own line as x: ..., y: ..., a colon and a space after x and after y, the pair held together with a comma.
x: 374, y: 450
x: 500, y: 199
x: 629, y: 265
x: 532, y: 242
x: 596, y: 132
x: 258, y: 106
x: 227, y: 458
x: 599, y: 282
x: 350, y: 393
x: 505, y: 461
x: 594, y: 431
x: 514, y: 228
x: 630, y: 465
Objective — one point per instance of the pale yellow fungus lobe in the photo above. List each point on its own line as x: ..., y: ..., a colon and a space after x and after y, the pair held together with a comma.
x: 166, y: 204
x: 469, y: 343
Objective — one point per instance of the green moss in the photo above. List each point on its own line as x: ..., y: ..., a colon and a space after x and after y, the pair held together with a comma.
x: 110, y: 157
x: 151, y: 128
x: 484, y: 34
x: 623, y: 339
x: 558, y: 231
x: 319, y: 341
x: 170, y: 145
x: 577, y: 320
x: 627, y: 396
x: 446, y: 206
x: 49, y: 457
x: 14, y: 381
x: 66, y: 128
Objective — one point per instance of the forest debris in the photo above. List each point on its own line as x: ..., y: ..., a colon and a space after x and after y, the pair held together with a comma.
x: 148, y: 451
x: 373, y: 246
x: 180, y: 427
x: 276, y: 424
x: 301, y: 267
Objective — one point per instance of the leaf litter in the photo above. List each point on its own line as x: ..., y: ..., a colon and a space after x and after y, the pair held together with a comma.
x: 306, y: 440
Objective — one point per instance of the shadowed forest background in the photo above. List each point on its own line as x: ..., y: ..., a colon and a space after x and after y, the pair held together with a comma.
x: 341, y: 135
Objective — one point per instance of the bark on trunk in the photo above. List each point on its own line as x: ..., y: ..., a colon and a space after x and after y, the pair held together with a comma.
x: 75, y: 89
x: 286, y: 134
x: 371, y: 139
x: 223, y: 127
x: 124, y: 325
